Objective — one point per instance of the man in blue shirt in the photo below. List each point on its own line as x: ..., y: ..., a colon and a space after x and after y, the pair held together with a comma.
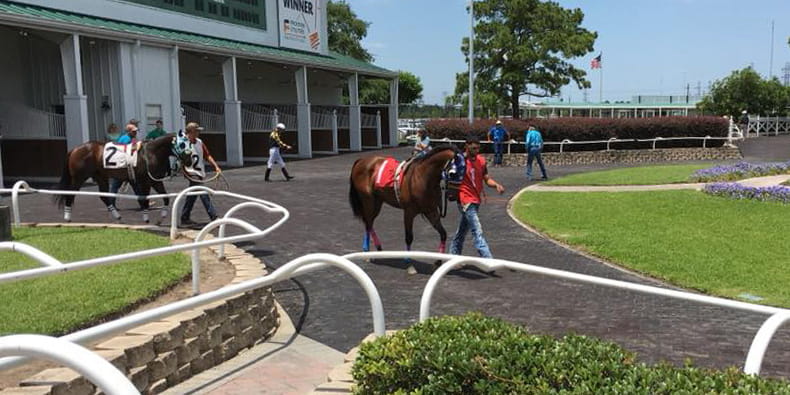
x: 534, y: 145
x: 498, y: 135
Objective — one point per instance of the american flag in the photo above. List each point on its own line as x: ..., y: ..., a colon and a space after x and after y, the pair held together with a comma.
x: 596, y: 62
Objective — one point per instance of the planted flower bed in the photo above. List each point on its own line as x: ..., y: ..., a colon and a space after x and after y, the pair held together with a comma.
x: 739, y: 171
x: 733, y: 190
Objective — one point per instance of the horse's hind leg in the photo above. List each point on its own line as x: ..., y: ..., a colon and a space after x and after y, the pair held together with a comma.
x: 436, y: 222
x: 104, y: 186
x: 408, y: 225
x: 369, y: 228
x: 159, y: 187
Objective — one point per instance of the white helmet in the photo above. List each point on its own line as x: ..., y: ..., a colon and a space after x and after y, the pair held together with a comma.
x: 280, y: 126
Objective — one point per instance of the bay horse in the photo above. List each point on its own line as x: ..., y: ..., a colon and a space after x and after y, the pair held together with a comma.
x: 153, y: 165
x: 419, y: 192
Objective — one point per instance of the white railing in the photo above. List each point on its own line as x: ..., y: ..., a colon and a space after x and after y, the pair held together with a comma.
x: 321, y: 119
x: 368, y: 121
x: 296, y: 267
x: 57, y: 124
x: 93, y: 367
x: 754, y: 358
x: 211, y: 116
x: 767, y: 125
x: 256, y: 117
x: 608, y: 142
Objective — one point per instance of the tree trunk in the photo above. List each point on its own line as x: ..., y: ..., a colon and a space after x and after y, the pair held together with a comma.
x: 514, y: 105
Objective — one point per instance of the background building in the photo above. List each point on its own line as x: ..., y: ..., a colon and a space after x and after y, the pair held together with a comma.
x: 236, y: 66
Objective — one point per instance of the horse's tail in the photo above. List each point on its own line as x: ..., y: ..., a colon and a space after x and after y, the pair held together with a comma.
x: 64, y: 183
x: 353, y: 195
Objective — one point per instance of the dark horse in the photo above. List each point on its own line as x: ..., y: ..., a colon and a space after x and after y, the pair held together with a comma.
x: 86, y: 161
x: 419, y: 192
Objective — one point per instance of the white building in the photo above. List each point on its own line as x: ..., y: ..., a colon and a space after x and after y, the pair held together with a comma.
x: 72, y: 67
x: 637, y: 107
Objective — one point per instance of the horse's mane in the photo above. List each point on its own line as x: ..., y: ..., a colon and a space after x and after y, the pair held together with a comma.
x: 156, y: 144
x: 438, y: 150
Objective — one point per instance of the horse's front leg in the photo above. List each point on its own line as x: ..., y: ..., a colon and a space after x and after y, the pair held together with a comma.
x: 159, y: 187
x: 408, y: 225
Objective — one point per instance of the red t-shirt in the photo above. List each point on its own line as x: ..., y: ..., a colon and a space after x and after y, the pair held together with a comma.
x: 472, y: 186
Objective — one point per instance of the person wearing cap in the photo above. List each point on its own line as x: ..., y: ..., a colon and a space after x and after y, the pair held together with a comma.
x: 196, y: 172
x: 498, y: 135
x: 422, y: 145
x: 744, y: 121
x: 275, y: 144
x: 130, y: 137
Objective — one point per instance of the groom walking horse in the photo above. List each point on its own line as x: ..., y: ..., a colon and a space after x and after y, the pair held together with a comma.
x: 101, y: 162
x: 416, y: 192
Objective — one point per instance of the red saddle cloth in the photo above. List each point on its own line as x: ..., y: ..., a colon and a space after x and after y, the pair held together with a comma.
x: 385, y: 173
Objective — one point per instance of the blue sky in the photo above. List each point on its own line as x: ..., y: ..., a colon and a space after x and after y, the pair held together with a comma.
x: 648, y: 46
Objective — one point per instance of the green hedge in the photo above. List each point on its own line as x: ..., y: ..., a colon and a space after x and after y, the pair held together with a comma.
x: 476, y: 354
x: 591, y: 129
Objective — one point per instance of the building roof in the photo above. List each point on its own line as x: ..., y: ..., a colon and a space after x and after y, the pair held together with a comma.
x: 48, y: 19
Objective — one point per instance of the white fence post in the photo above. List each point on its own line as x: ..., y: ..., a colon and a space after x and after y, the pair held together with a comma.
x: 334, y: 131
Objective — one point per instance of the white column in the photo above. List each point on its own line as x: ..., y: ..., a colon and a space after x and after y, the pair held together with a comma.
x: 75, y: 102
x: 354, y: 114
x: 233, y: 137
x: 303, y: 114
x: 127, y: 60
x: 378, y: 129
x: 334, y: 134
x: 176, y: 116
x: 393, y: 113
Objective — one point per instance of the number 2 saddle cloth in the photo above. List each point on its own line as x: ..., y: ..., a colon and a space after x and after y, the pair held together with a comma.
x: 119, y: 156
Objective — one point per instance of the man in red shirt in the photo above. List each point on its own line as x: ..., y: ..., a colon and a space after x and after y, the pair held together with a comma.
x: 470, y: 196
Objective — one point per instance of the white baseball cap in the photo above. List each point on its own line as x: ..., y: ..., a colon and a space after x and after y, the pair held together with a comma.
x: 280, y: 126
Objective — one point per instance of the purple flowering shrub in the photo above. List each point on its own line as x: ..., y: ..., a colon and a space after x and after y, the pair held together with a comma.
x: 739, y: 171
x: 733, y: 190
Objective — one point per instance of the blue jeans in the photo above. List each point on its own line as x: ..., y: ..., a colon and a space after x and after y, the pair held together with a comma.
x: 498, y: 149
x: 190, y: 202
x: 534, y: 153
x: 470, y: 222
x: 115, y: 186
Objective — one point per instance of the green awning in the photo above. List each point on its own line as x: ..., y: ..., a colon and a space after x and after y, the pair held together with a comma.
x: 10, y: 11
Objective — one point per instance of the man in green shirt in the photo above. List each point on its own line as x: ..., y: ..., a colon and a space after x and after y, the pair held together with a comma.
x: 157, y: 132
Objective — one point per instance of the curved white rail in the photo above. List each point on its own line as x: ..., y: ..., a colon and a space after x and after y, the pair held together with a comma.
x: 97, y: 370
x: 754, y: 359
x: 233, y: 210
x: 756, y: 352
x: 202, y: 234
x: 296, y: 267
x: 42, y: 257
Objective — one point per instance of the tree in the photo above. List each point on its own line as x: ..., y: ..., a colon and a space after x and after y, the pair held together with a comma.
x: 377, y: 91
x: 522, y: 46
x: 746, y: 90
x: 346, y: 31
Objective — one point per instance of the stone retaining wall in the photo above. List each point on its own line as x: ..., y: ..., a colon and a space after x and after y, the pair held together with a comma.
x: 163, y: 353
x: 625, y: 156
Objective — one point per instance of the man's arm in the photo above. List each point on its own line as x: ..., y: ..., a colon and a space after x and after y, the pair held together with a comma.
x: 492, y: 183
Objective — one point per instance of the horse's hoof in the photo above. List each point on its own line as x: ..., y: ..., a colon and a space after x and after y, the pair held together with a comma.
x: 411, y: 270
x: 378, y: 248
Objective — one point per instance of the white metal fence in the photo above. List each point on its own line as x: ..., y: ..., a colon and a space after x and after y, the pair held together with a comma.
x: 312, y: 262
x: 767, y: 125
x: 210, y: 116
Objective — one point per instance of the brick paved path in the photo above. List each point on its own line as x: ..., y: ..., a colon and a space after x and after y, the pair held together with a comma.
x: 329, y: 307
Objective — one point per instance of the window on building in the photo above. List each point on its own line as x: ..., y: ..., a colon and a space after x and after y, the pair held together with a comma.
x: 212, y: 8
x: 199, y: 5
x: 225, y: 11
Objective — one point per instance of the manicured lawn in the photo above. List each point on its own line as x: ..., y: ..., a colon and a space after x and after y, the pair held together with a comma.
x: 648, y: 175
x: 719, y: 246
x: 59, y: 303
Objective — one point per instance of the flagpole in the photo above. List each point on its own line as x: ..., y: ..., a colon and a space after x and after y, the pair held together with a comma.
x: 600, y: 85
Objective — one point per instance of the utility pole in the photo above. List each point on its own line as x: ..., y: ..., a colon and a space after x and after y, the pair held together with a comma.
x: 471, y: 61
x: 786, y: 74
x: 771, y: 59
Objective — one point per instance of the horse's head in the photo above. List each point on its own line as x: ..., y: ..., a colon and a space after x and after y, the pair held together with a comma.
x: 182, y: 149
